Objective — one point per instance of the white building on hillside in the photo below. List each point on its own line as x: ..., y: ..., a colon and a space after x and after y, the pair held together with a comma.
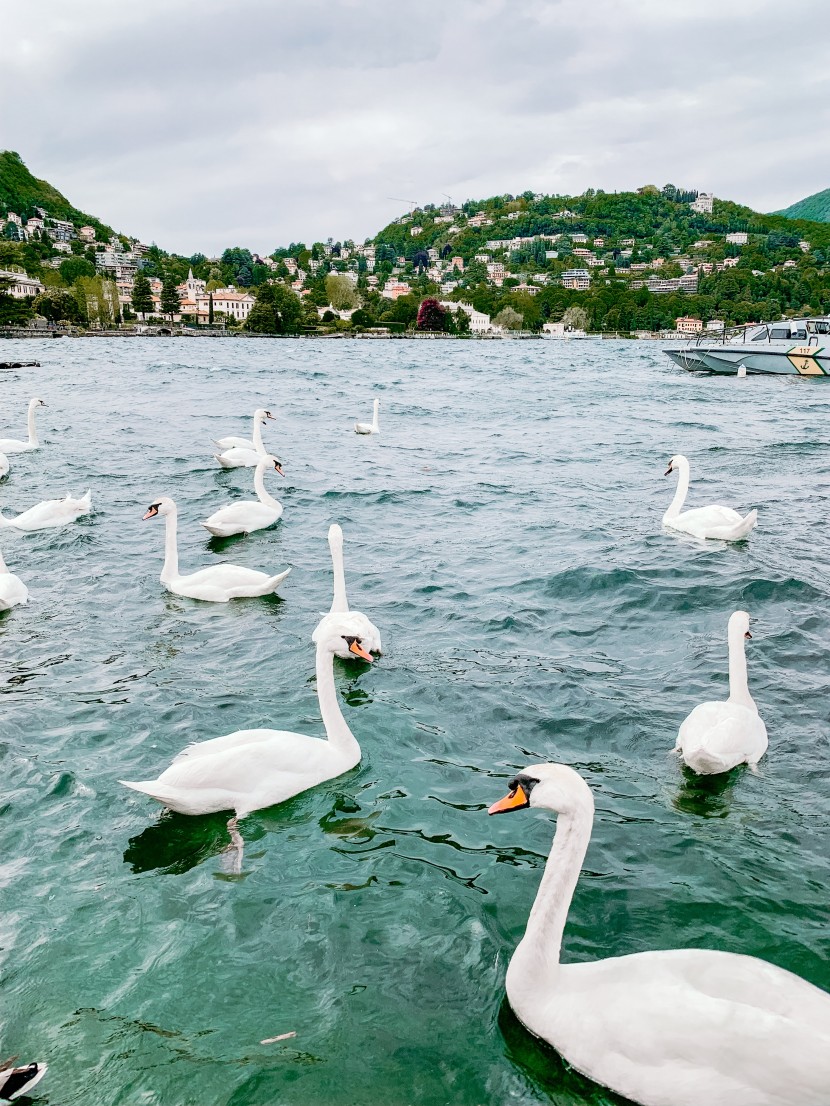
x: 703, y: 204
x: 20, y: 284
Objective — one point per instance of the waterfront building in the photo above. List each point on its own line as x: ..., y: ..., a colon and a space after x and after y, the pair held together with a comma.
x: 20, y: 283
x: 687, y: 325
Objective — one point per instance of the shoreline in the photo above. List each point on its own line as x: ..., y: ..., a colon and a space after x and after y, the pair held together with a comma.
x: 20, y: 333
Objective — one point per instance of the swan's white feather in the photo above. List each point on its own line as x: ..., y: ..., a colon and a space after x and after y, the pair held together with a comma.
x: 718, y: 736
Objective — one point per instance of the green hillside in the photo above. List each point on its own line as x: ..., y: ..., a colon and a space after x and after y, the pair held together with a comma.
x: 22, y: 193
x: 816, y: 207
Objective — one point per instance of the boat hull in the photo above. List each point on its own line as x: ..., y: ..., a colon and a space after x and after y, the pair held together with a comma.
x: 726, y: 360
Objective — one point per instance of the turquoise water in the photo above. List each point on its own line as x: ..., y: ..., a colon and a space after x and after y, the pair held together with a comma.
x: 504, y: 533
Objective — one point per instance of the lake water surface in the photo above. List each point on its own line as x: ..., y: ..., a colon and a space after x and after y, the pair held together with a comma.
x: 504, y: 532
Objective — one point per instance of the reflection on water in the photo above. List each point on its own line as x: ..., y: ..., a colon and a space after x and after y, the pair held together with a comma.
x: 707, y: 796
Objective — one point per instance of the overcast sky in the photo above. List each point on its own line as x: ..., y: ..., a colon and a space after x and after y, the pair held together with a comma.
x: 200, y: 125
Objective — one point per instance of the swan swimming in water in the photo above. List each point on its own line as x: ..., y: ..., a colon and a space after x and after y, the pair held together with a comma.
x: 369, y: 427
x: 4, y: 464
x: 717, y: 736
x: 52, y: 512
x: 681, y: 1027
x: 245, y: 454
x: 232, y: 442
x: 341, y: 620
x: 15, y: 445
x: 253, y: 769
x: 216, y: 584
x: 713, y: 521
x: 12, y: 588
x: 248, y: 515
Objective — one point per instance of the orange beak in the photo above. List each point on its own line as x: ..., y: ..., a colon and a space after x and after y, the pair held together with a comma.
x: 516, y: 800
x: 359, y: 651
x: 151, y: 513
x: 279, y: 470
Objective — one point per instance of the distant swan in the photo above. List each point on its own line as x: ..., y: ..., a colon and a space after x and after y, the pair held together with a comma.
x: 248, y: 515
x: 252, y: 769
x: 369, y: 427
x: 12, y: 588
x: 340, y: 620
x: 15, y: 445
x: 682, y: 1027
x: 244, y: 453
x: 704, y: 522
x: 717, y: 736
x: 4, y: 464
x: 216, y: 584
x: 52, y: 512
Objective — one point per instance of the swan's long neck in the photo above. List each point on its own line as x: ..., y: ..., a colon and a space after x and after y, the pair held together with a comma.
x: 340, y: 604
x: 338, y: 733
x: 375, y: 414
x: 257, y: 436
x: 170, y: 571
x: 682, y: 490
x: 738, y: 683
x: 259, y: 485
x: 537, y: 956
x: 33, y: 439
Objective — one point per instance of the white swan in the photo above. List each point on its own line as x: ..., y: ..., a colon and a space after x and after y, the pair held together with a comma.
x: 713, y: 521
x: 340, y: 620
x: 681, y: 1027
x: 717, y: 736
x: 15, y: 445
x: 252, y: 769
x: 4, y: 464
x: 216, y: 584
x: 369, y: 427
x: 52, y: 512
x: 248, y: 514
x: 245, y: 454
x: 12, y: 588
x: 232, y: 442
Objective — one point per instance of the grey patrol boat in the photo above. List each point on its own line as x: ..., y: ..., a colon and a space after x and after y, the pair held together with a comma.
x: 792, y: 347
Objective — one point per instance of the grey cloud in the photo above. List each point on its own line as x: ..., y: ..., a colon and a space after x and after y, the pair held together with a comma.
x: 204, y: 125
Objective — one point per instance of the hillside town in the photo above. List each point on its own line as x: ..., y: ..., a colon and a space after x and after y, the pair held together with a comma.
x: 483, y: 263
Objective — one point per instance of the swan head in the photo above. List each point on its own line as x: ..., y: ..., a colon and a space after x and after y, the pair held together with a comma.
x: 33, y: 403
x: 548, y: 786
x: 335, y: 642
x: 675, y: 462
x: 261, y: 415
x: 739, y: 625
x: 163, y: 506
x: 271, y: 462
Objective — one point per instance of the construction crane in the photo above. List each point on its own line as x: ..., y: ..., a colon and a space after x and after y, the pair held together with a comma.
x: 412, y: 203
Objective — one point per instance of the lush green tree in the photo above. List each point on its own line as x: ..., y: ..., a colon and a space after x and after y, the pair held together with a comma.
x: 509, y: 319
x: 341, y: 292
x: 98, y: 298
x: 59, y: 305
x: 170, y: 302
x: 142, y: 295
x: 575, y: 318
x: 74, y: 267
x: 361, y: 317
x: 276, y: 311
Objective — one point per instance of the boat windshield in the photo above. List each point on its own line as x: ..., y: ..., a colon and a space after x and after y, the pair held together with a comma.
x: 819, y: 326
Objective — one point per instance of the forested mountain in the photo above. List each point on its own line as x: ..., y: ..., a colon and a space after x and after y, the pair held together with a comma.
x: 22, y: 193
x: 815, y: 207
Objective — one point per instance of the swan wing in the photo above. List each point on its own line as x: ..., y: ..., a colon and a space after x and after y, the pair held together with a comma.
x: 52, y: 512
x: 12, y: 445
x: 348, y: 624
x: 690, y: 1026
x: 718, y: 736
x: 12, y: 591
x: 714, y: 521
x: 242, y: 517
x: 238, y: 457
x: 244, y: 771
x: 234, y: 443
x: 219, y: 583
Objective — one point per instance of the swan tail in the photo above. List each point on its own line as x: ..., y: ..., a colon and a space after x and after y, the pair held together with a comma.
x: 87, y: 499
x: 154, y: 789
x: 743, y: 527
x: 706, y: 763
x: 275, y: 581
x: 218, y: 457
